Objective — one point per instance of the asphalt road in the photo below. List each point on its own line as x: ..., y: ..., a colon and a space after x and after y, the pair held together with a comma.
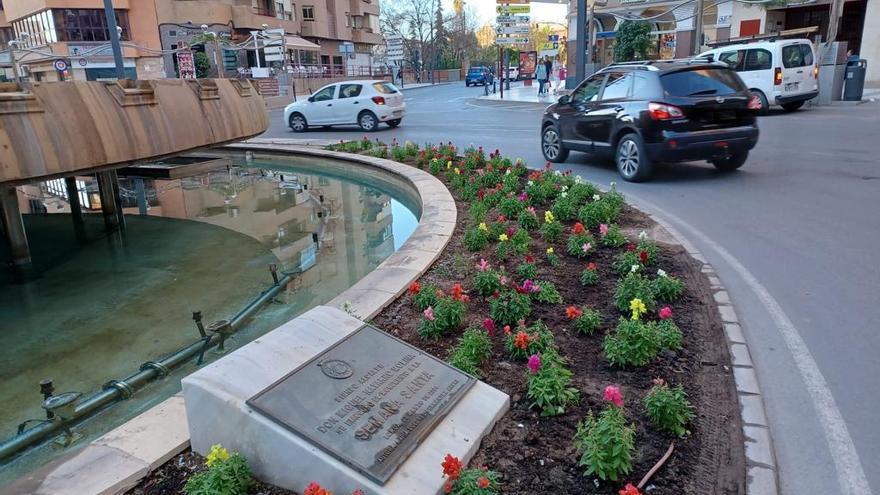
x: 794, y: 236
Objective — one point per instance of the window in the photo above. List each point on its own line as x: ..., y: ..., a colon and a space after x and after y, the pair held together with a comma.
x: 349, y: 90
x: 347, y: 19
x: 618, y: 86
x: 589, y: 90
x: 308, y: 12
x: 88, y: 25
x: 758, y: 59
x: 172, y: 33
x: 701, y: 82
x: 324, y: 94
x: 799, y: 55
x: 733, y: 59
x: 385, y: 88
x: 644, y: 86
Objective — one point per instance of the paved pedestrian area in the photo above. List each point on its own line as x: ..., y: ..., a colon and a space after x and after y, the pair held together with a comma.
x: 519, y: 92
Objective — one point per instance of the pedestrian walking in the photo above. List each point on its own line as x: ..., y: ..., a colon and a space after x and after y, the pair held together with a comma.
x: 548, y: 64
x: 554, y: 75
x: 541, y: 76
x: 563, y: 74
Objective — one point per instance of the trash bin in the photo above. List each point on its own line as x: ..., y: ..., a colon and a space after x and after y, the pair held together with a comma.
x: 855, y: 80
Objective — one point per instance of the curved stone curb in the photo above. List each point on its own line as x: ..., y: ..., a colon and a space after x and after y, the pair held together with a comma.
x: 761, y: 472
x: 118, y: 460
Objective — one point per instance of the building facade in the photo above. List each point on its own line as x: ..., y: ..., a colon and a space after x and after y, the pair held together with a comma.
x: 315, y: 31
x: 75, y: 31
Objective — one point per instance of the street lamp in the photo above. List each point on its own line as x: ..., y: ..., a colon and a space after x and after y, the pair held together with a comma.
x: 22, y: 39
x: 215, y: 41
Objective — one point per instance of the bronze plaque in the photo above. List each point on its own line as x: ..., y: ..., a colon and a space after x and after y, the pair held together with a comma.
x: 368, y: 400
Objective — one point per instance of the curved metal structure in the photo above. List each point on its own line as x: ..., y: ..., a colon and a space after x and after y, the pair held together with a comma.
x: 59, y: 129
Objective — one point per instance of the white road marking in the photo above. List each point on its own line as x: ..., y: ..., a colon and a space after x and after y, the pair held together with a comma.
x: 850, y: 475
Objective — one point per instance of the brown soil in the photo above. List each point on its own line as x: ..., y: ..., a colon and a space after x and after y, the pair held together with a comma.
x: 172, y: 476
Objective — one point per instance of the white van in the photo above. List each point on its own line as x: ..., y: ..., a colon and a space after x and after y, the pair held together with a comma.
x: 779, y: 72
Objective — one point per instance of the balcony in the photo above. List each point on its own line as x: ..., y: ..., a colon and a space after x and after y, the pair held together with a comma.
x: 253, y: 18
x: 365, y: 35
x: 361, y: 7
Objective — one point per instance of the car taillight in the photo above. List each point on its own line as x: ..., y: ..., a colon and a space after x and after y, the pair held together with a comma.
x: 661, y: 111
x: 815, y: 72
x: 755, y: 103
x: 378, y: 100
x: 777, y: 76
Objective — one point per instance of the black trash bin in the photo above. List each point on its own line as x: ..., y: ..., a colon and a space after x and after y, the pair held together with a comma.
x: 855, y: 80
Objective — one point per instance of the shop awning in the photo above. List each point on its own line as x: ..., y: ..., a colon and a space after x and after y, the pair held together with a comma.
x: 297, y: 43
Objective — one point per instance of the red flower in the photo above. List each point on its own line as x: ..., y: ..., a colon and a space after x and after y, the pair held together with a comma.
x: 315, y: 489
x: 357, y: 492
x: 457, y: 292
x: 643, y: 256
x: 572, y: 312
x: 481, y: 194
x: 578, y: 228
x: 451, y: 467
x: 629, y: 489
x: 483, y: 482
x: 591, y: 267
x: 533, y: 176
x: 630, y: 247
x: 506, y: 329
x: 530, y: 258
x: 448, y: 486
x: 414, y: 288
x: 521, y: 341
x: 502, y: 219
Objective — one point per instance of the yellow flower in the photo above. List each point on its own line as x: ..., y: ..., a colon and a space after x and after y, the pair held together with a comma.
x: 548, y: 217
x: 638, y: 308
x: 550, y: 250
x: 457, y: 171
x: 483, y: 227
x: 449, y: 164
x: 502, y: 237
x: 217, y: 454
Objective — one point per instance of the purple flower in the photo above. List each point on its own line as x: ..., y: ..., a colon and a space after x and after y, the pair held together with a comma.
x: 530, y: 286
x: 429, y: 313
x: 523, y: 196
x: 483, y: 266
x: 534, y: 363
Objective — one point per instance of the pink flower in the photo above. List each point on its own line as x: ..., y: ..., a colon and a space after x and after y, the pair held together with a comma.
x: 529, y: 286
x: 531, y: 210
x: 586, y: 247
x: 523, y: 196
x: 603, y: 229
x: 483, y: 265
x: 534, y: 363
x: 665, y: 312
x: 429, y: 313
x: 489, y: 325
x: 612, y: 395
x: 510, y: 231
x: 503, y: 280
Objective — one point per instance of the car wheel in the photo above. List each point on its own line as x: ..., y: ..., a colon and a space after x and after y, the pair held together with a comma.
x: 393, y: 123
x: 765, y: 105
x: 791, y: 107
x: 297, y: 122
x: 368, y: 121
x: 731, y: 162
x: 467, y: 84
x: 551, y: 146
x: 632, y: 162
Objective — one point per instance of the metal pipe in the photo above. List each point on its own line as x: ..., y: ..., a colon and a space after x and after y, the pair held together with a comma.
x: 116, y: 390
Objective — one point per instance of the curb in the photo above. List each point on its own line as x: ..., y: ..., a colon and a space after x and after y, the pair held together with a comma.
x: 761, y: 471
x: 428, y: 85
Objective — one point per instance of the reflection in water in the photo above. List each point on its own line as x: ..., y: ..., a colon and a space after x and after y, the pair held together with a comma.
x: 103, y: 307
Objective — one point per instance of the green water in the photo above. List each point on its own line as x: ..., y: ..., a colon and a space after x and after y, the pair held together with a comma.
x: 101, y: 307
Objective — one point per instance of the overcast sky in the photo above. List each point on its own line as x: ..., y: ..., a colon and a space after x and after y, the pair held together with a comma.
x: 485, y: 10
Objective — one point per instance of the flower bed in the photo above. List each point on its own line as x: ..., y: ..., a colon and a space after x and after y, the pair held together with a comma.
x: 615, y: 309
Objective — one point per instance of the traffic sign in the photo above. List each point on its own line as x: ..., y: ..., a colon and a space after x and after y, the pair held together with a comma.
x: 60, y: 65
x: 512, y: 19
x: 511, y: 41
x: 513, y: 9
x: 524, y: 29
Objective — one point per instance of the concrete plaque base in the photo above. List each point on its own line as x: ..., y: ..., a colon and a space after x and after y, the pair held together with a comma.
x: 217, y: 412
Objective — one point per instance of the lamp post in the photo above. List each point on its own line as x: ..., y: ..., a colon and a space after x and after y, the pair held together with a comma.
x: 21, y: 40
x: 115, y: 33
x: 215, y: 43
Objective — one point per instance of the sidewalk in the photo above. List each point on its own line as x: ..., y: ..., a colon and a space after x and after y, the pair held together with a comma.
x: 523, y: 94
x: 281, y: 101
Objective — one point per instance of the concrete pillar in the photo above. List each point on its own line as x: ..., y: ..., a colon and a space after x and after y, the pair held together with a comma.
x: 870, y: 49
x: 141, y: 192
x: 16, y: 237
x: 76, y: 213
x: 111, y: 202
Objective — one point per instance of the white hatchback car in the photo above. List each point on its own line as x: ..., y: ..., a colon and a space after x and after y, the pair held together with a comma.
x: 781, y: 72
x: 365, y: 103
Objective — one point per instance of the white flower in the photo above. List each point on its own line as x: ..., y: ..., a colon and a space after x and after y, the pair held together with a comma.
x: 643, y: 236
x: 564, y: 194
x: 634, y: 268
x: 508, y: 172
x: 595, y: 197
x: 530, y: 183
x: 578, y: 179
x: 661, y: 273
x: 613, y: 184
x: 564, y: 188
x: 557, y: 173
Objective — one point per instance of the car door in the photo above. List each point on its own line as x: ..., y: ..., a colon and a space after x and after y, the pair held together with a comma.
x: 797, y: 67
x: 757, y: 70
x: 601, y: 117
x: 321, y: 106
x: 572, y: 113
x: 349, y: 103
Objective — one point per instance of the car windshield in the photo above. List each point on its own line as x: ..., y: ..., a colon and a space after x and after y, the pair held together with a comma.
x: 385, y: 88
x: 475, y: 70
x: 702, y: 82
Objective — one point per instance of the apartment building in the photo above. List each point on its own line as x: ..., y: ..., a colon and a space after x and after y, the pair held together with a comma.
x: 314, y: 32
x: 75, y: 31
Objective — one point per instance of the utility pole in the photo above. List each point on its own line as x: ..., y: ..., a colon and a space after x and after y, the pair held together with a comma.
x: 698, y: 28
x: 114, y: 30
x: 583, y: 28
x: 590, y: 34
x: 12, y: 45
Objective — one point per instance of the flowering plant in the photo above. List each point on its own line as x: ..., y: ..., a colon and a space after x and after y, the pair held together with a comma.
x: 527, y: 341
x: 472, y: 349
x: 549, y: 384
x: 426, y: 296
x: 509, y: 307
x: 487, y: 281
x: 415, y: 288
x: 471, y: 481
x: 590, y: 275
x: 666, y: 288
x: 446, y: 315
x: 476, y: 239
x: 633, y: 286
x: 225, y: 474
x: 633, y: 343
x: 527, y: 270
x: 612, y: 236
x: 606, y: 443
x: 668, y: 408
x: 629, y: 489
x: 551, y: 231
x: 638, y: 308
x: 528, y: 219
x: 580, y: 244
x: 546, y: 293
x: 587, y: 322
x: 552, y: 258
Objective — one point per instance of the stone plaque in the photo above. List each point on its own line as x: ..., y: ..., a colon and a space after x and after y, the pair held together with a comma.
x: 368, y: 400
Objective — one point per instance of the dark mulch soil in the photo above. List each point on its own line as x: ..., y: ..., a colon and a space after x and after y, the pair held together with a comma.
x: 172, y: 476
x: 534, y: 454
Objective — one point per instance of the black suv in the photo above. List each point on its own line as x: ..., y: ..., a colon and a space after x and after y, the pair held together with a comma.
x: 655, y: 111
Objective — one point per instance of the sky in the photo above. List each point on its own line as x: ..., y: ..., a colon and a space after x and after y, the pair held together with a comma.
x: 541, y: 12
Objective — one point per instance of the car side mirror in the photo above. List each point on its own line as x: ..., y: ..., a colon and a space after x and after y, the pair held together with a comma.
x: 564, y: 99
x: 311, y: 99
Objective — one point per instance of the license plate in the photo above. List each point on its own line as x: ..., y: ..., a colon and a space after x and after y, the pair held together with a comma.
x: 397, y: 112
x: 791, y: 86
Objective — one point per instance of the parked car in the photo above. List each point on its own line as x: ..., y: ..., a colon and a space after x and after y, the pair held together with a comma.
x: 478, y: 75
x: 648, y: 112
x: 781, y: 72
x: 365, y: 103
x: 513, y: 73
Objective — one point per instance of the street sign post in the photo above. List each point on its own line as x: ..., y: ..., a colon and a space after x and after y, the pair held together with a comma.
x: 186, y: 64
x: 513, y: 29
x: 511, y: 41
x: 513, y: 9
x: 512, y: 19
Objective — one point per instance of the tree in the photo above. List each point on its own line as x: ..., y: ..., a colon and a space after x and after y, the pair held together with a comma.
x: 202, y: 63
x: 633, y: 41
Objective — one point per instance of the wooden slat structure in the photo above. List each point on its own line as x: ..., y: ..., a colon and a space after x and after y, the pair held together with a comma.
x: 62, y: 128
